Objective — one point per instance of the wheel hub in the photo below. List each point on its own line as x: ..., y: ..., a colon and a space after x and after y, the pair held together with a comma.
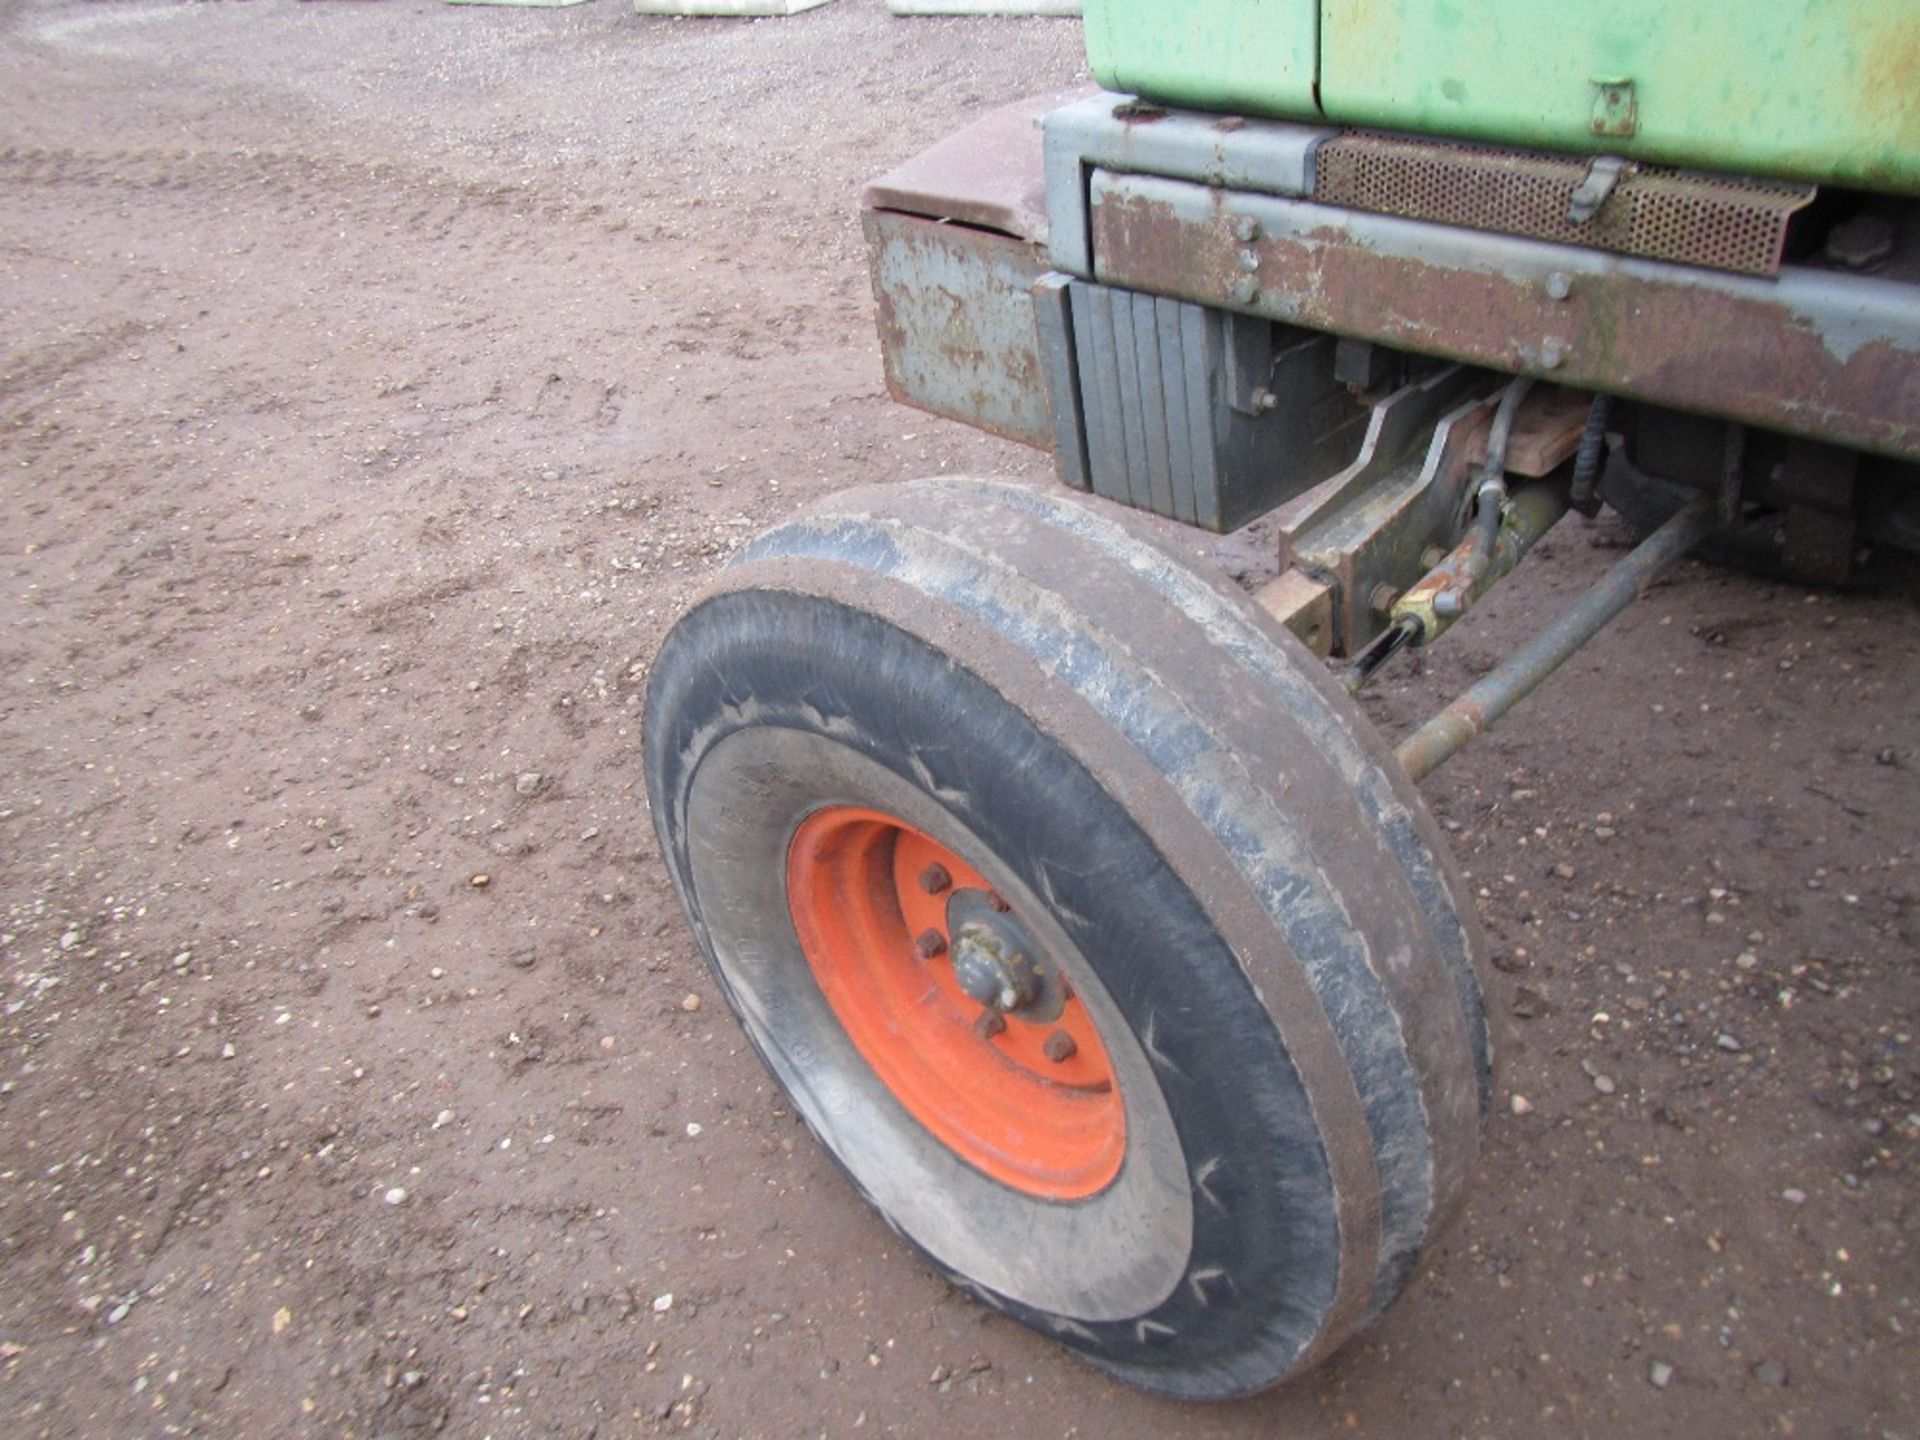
x: 992, y: 967
x: 997, y: 963
x: 966, y: 1020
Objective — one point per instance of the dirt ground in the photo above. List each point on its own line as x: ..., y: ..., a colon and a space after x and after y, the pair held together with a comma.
x: 376, y: 380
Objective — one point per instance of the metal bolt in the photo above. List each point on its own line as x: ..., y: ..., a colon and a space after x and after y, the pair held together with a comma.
x: 1249, y: 261
x: 930, y: 944
x: 1264, y: 400
x: 1860, y: 243
x: 1432, y: 556
x: 1552, y: 356
x: 1449, y: 602
x: 1066, y: 990
x: 989, y: 1023
x: 1381, y: 597
x: 1243, y: 291
x: 935, y: 879
x: 1059, y: 1047
x: 993, y: 899
x: 1246, y: 229
x: 1559, y: 287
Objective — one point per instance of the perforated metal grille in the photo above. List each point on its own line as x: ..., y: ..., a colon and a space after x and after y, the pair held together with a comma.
x: 1660, y: 214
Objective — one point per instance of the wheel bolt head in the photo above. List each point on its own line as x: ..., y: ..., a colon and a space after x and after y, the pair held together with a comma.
x: 1059, y: 1047
x: 993, y: 899
x: 930, y: 944
x: 936, y: 879
x: 989, y: 1023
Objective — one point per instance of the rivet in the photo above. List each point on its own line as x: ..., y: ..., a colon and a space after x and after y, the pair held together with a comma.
x: 1243, y: 291
x: 1559, y: 286
x: 1246, y: 229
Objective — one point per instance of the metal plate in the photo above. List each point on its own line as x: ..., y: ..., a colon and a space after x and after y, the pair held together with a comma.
x: 1834, y: 357
x: 1113, y: 132
x: 988, y: 175
x: 1163, y: 432
x: 957, y: 324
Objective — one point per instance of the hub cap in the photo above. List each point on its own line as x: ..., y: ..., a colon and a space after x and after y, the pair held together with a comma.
x: 970, y: 1025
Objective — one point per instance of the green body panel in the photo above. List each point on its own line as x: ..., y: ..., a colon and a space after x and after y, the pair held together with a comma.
x: 1813, y: 89
x: 1245, y: 55
x: 1823, y: 90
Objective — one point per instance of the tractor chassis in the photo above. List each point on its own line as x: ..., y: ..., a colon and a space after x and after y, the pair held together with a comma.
x: 1159, y: 299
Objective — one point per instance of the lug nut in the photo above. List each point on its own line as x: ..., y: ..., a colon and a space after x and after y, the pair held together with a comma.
x: 930, y: 944
x: 1059, y: 1047
x: 989, y: 1023
x: 994, y: 900
x: 935, y: 879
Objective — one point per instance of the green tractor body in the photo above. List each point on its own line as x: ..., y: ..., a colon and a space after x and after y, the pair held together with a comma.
x: 1821, y: 90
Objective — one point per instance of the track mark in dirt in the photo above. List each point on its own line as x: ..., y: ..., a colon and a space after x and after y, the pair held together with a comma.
x: 43, y: 366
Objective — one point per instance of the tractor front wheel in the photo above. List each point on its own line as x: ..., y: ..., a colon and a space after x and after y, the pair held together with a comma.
x: 1081, y: 918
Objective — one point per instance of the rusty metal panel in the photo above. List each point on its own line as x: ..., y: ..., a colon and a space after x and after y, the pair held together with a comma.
x: 957, y: 330
x: 1829, y: 356
x: 989, y: 175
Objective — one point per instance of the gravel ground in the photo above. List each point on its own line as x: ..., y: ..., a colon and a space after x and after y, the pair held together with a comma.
x: 376, y: 381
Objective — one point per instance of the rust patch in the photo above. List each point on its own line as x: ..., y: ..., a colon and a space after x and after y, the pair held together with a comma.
x: 954, y: 310
x: 1676, y: 341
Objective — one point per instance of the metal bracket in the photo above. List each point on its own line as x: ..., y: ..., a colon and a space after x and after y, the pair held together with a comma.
x: 1733, y: 460
x: 1110, y: 131
x: 1615, y: 109
x: 1597, y: 188
x: 1249, y: 355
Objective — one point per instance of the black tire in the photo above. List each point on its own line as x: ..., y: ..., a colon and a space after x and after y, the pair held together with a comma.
x: 1198, y: 825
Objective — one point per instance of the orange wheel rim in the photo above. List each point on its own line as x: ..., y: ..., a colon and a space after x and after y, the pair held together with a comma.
x: 1023, y: 1092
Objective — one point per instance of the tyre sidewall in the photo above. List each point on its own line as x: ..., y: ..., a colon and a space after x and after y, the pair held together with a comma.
x: 1246, y: 1146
